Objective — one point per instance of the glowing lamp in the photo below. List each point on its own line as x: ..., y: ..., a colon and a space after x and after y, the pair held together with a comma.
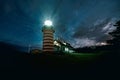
x: 66, y: 49
x: 48, y: 23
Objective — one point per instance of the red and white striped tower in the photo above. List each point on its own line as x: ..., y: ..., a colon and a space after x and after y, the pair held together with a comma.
x: 48, y: 37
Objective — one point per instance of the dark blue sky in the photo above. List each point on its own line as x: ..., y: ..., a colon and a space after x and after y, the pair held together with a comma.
x: 80, y: 22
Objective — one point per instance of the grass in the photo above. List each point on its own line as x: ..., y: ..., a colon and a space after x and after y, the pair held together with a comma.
x: 84, y: 56
x: 43, y: 59
x: 49, y: 62
x: 70, y: 57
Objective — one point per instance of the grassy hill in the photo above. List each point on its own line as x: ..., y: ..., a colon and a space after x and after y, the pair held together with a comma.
x: 11, y: 59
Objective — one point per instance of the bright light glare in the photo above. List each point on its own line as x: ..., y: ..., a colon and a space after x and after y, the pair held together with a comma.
x: 48, y: 23
x: 66, y: 49
x: 56, y: 43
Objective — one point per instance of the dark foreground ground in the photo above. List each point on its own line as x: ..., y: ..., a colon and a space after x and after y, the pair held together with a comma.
x: 58, y: 63
x: 13, y: 61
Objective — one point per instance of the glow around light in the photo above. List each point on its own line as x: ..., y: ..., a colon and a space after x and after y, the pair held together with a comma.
x: 48, y: 23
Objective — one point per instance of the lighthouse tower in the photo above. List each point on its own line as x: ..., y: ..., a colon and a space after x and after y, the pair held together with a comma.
x: 48, y: 36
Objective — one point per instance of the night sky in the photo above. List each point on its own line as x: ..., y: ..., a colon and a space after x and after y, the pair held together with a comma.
x: 79, y: 22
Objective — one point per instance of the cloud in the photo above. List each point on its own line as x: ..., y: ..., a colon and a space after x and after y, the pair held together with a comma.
x: 92, y: 30
x: 101, y: 43
x: 109, y: 27
x: 91, y: 35
x: 83, y: 42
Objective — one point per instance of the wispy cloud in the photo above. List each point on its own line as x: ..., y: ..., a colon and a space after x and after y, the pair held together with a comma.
x: 97, y: 34
x: 109, y: 27
x: 83, y: 42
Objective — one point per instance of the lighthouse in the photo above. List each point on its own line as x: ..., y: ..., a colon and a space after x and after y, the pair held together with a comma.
x: 48, y: 37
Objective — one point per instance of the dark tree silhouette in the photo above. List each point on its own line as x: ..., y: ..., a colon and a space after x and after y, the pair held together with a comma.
x: 116, y: 35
